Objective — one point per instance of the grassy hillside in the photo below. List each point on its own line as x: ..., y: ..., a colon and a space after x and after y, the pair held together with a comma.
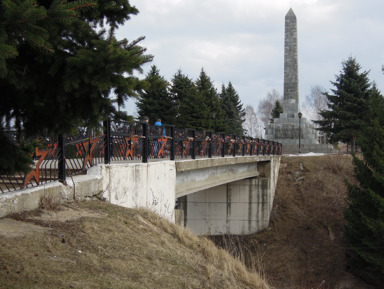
x: 98, y: 245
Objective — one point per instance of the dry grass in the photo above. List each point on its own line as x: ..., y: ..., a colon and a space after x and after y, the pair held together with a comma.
x: 242, y: 250
x: 220, y: 259
x: 337, y: 163
x: 113, y: 247
x: 49, y: 202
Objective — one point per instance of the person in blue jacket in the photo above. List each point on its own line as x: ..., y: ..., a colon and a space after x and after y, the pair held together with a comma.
x: 158, y: 122
x: 156, y: 144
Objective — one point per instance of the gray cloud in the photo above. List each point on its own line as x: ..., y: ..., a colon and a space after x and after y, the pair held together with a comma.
x: 243, y: 41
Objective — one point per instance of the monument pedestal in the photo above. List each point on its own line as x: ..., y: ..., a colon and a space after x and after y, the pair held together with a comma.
x: 296, y: 135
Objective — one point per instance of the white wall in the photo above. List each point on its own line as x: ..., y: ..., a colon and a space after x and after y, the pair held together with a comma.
x: 150, y: 185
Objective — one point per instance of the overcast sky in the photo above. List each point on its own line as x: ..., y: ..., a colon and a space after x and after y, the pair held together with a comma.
x: 242, y: 41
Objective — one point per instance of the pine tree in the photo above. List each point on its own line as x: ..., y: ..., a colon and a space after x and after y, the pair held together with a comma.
x: 347, y: 105
x: 233, y: 110
x: 192, y: 110
x: 266, y: 105
x: 211, y: 99
x: 155, y: 100
x: 365, y: 213
x: 277, y: 109
x: 58, y: 69
x: 23, y: 22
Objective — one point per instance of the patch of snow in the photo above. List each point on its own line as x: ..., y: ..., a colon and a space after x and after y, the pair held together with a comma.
x: 304, y: 155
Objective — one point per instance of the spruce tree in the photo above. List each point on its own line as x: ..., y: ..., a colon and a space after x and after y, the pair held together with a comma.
x: 211, y: 99
x: 191, y: 108
x: 277, y: 109
x: 347, y: 104
x: 365, y: 214
x: 223, y: 126
x: 155, y: 100
x: 233, y: 110
x: 58, y: 69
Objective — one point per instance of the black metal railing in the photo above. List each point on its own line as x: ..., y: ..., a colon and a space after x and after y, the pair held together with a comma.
x: 58, y: 158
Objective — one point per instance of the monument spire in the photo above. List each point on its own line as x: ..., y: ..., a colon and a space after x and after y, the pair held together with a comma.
x: 291, y: 82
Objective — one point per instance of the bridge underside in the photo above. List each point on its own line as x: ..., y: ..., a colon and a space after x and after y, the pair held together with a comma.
x: 241, y: 207
x: 226, y: 196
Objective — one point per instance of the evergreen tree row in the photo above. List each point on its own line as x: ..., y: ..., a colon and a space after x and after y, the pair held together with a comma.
x: 365, y: 213
x: 191, y: 104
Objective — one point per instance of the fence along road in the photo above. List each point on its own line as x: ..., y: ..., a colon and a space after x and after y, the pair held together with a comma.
x: 56, y: 158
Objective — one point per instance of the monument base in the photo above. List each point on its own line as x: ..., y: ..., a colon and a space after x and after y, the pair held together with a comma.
x: 297, y: 135
x: 305, y: 148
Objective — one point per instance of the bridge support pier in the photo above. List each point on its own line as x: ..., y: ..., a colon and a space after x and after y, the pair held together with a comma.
x: 241, y: 207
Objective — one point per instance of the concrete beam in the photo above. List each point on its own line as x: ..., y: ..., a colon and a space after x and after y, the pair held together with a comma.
x: 196, y: 175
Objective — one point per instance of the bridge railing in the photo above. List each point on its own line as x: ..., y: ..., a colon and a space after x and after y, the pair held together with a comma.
x: 60, y: 157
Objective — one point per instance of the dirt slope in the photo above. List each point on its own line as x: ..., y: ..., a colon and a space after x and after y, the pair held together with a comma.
x: 304, y: 245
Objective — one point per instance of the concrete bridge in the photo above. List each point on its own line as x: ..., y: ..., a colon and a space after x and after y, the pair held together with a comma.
x: 226, y: 196
x: 230, y: 195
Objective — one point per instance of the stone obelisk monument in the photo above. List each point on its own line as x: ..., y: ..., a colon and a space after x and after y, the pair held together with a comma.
x: 291, y: 75
x: 291, y: 129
